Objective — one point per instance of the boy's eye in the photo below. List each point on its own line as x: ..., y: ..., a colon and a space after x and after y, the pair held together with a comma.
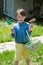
x: 19, y: 16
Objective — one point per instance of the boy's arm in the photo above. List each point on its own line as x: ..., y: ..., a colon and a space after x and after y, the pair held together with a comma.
x: 30, y: 29
x: 31, y: 20
x: 12, y: 31
x: 31, y: 23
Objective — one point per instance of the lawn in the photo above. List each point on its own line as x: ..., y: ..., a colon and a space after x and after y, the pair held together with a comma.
x: 37, y: 30
x: 7, y: 57
x: 5, y: 35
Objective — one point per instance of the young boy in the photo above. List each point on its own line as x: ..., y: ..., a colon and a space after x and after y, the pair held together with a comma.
x: 19, y: 31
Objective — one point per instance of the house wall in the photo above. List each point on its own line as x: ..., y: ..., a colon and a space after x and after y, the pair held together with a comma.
x: 12, y: 5
x: 27, y: 5
x: 1, y: 7
x: 41, y: 12
x: 9, y: 7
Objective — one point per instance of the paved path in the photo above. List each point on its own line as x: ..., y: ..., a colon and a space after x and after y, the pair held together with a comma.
x: 40, y: 38
x: 7, y: 46
x: 11, y: 45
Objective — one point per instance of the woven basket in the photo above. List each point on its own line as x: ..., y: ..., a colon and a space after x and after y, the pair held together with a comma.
x: 33, y: 44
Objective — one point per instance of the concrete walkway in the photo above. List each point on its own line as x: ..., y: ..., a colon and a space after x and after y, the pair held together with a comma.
x: 11, y: 45
x: 7, y: 46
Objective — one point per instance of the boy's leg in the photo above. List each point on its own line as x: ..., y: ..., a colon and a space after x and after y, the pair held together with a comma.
x: 26, y: 55
x: 18, y: 53
x: 28, y: 62
x: 16, y: 63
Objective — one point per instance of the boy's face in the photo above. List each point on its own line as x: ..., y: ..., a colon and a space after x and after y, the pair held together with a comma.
x: 21, y: 18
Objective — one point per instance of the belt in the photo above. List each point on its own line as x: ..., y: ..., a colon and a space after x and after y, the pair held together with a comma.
x: 22, y: 42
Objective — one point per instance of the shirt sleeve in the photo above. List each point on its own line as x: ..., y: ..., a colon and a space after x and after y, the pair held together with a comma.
x: 28, y: 26
x: 13, y: 34
x: 14, y: 28
x: 28, y: 29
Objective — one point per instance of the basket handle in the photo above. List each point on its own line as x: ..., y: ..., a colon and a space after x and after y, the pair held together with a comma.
x: 28, y: 35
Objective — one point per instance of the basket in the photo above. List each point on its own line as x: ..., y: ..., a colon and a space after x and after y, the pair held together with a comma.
x: 32, y: 44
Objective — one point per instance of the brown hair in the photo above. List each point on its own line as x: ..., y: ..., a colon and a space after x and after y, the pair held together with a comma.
x: 21, y: 11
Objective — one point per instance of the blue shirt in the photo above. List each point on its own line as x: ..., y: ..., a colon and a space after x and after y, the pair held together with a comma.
x: 20, y: 32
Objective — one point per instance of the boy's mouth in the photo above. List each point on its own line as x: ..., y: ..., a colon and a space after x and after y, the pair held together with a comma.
x: 21, y: 20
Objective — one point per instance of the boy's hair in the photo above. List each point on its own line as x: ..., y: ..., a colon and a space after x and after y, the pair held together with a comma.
x: 21, y: 11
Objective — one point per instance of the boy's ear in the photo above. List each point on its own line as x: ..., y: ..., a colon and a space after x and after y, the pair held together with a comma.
x: 25, y: 16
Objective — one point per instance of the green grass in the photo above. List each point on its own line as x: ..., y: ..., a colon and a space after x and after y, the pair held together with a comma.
x: 37, y: 30
x: 7, y: 57
x: 5, y: 35
x: 38, y: 55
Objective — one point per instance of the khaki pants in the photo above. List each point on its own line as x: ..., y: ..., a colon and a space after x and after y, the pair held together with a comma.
x: 21, y: 52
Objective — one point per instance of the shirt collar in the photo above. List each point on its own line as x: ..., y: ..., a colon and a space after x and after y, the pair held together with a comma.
x: 21, y: 23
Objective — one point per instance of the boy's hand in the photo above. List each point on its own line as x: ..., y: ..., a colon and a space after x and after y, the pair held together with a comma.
x: 31, y: 27
x: 31, y: 23
x: 32, y: 20
x: 12, y: 31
